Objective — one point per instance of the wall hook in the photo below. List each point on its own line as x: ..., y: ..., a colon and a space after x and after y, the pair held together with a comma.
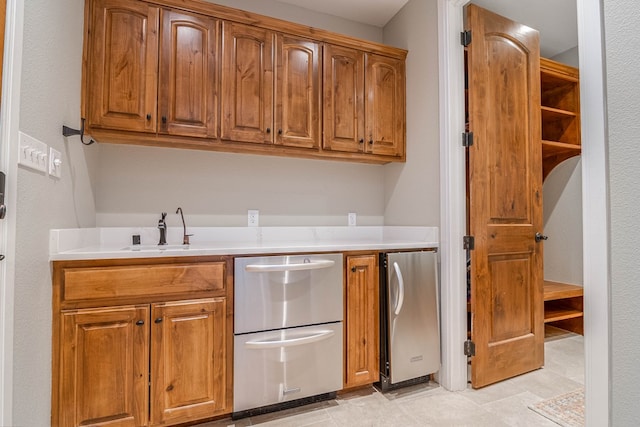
x: 67, y: 131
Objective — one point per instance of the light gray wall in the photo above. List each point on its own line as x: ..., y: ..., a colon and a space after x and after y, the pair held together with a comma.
x: 623, y: 95
x: 563, y: 211
x: 412, y: 190
x: 50, y: 96
x: 562, y: 195
x: 216, y: 189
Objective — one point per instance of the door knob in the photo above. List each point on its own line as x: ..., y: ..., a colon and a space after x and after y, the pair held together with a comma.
x: 540, y: 237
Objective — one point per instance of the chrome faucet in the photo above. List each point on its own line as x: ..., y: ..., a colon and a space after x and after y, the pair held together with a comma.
x: 162, y: 226
x: 185, y: 236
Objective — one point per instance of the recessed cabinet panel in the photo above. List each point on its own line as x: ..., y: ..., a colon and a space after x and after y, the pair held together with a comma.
x: 104, y: 367
x: 343, y: 99
x: 385, y: 106
x: 188, y: 356
x: 122, y: 69
x: 298, y: 92
x: 247, y: 84
x: 188, y: 75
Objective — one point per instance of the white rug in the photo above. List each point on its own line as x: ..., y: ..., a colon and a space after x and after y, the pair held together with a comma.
x: 566, y: 410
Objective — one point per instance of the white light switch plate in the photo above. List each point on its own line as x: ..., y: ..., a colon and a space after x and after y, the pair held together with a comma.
x: 32, y: 153
x: 352, y: 219
x: 55, y: 163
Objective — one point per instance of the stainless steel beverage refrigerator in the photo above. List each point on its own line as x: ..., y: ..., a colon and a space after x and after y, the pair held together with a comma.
x: 409, y: 318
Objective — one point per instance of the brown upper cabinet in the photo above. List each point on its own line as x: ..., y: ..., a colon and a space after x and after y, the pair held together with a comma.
x: 191, y: 74
x: 364, y: 96
x: 188, y: 77
x: 121, y: 69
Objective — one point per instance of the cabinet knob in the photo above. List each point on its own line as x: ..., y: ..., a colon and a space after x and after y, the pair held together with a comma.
x: 371, y: 141
x: 268, y: 130
x: 140, y: 322
x: 148, y: 116
x: 164, y: 119
x: 353, y: 269
x: 158, y: 320
x: 279, y: 131
x: 361, y: 141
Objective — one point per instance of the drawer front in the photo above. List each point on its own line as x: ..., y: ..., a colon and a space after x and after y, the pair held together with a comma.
x: 87, y: 284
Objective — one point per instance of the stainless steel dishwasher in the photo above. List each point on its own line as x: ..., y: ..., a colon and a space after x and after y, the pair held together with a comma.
x: 287, y: 331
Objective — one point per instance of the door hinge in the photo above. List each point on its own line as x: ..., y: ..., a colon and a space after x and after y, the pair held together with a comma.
x: 468, y: 243
x: 465, y: 38
x: 467, y: 139
x: 469, y: 348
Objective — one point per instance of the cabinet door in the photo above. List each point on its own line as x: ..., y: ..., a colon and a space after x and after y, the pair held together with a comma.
x: 297, y: 92
x: 343, y: 114
x: 104, y: 367
x: 188, y: 75
x: 385, y: 106
x: 362, y: 321
x: 247, y: 84
x: 188, y: 360
x: 122, y: 66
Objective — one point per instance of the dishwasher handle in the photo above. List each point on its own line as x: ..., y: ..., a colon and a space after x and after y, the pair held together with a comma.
x: 306, y: 265
x: 400, y: 301
x: 261, y: 345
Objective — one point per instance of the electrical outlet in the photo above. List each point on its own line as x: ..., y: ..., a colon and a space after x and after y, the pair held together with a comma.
x: 253, y: 215
x: 351, y: 219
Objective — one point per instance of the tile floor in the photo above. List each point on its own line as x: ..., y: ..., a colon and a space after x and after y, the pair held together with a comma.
x: 502, y: 404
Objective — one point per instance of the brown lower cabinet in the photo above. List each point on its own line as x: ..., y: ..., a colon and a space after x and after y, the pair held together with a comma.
x: 144, y: 343
x: 362, y: 328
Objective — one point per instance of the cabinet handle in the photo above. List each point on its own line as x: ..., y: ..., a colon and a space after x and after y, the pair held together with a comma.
x: 164, y: 119
x: 140, y: 322
x: 158, y: 320
x: 361, y: 141
x: 353, y: 269
x: 279, y: 131
x: 268, y: 130
x: 148, y: 116
x: 371, y: 141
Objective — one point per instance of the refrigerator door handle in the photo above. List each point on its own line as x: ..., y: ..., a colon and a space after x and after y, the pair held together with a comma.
x: 400, y: 301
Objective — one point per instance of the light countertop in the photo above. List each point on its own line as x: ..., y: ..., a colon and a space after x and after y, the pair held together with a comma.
x: 116, y: 242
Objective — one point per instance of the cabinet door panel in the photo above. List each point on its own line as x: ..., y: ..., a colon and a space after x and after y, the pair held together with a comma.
x: 385, y: 106
x: 104, y: 367
x: 362, y: 321
x: 188, y: 75
x: 343, y: 114
x: 247, y: 84
x: 297, y: 92
x: 123, y: 61
x: 188, y: 353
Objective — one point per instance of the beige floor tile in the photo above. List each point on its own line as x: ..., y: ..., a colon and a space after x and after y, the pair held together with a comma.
x: 514, y: 411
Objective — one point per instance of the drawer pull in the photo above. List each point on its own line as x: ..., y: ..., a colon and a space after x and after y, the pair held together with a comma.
x: 158, y: 320
x: 259, y: 345
x: 140, y: 322
x: 308, y: 265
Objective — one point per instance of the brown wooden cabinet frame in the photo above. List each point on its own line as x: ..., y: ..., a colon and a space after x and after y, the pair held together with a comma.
x: 388, y: 147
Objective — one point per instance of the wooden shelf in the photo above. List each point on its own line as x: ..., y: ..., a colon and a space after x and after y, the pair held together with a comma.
x: 560, y: 113
x: 563, y: 305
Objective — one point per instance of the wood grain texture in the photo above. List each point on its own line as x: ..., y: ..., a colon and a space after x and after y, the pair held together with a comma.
x: 104, y: 367
x: 188, y: 75
x: 247, y: 84
x: 82, y: 284
x: 560, y: 104
x: 505, y: 198
x: 188, y: 360
x: 385, y: 106
x: 362, y: 322
x: 297, y: 94
x: 122, y: 66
